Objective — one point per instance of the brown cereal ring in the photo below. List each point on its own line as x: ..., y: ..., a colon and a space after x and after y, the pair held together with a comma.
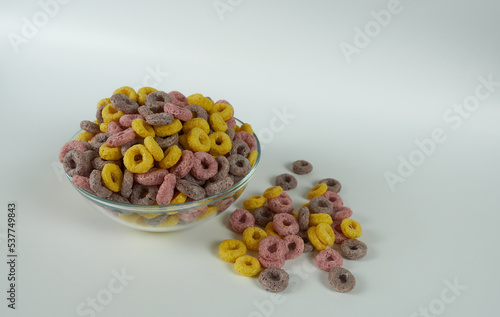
x: 304, y: 218
x: 142, y: 93
x: 143, y: 195
x: 302, y: 167
x: 98, y: 163
x: 98, y: 140
x: 263, y: 215
x: 239, y: 165
x: 222, y: 168
x: 240, y: 147
x: 127, y: 183
x: 97, y: 185
x: 118, y: 198
x: 77, y: 163
x: 124, y: 103
x: 333, y: 184
x: 286, y: 181
x: 144, y: 111
x: 198, y: 112
x: 341, y: 280
x: 166, y: 142
x: 128, y: 145
x: 321, y: 205
x: 90, y: 126
x: 308, y: 247
x: 191, y: 190
x: 231, y: 133
x: 219, y: 186
x: 274, y: 280
x: 353, y: 249
x: 98, y: 114
x: 156, y: 100
x: 159, y: 119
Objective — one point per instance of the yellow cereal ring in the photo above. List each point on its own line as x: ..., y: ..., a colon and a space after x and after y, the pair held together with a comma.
x: 211, y: 210
x: 199, y: 100
x: 272, y: 192
x: 231, y: 249
x: 129, y: 218
x: 236, y: 128
x: 169, y: 129
x: 103, y: 127
x: 351, y: 228
x: 141, y: 222
x: 220, y: 143
x: 317, y: 190
x: 225, y: 110
x: 247, y: 265
x: 252, y: 157
x: 171, y: 221
x: 196, y: 122
x: 184, y: 142
x: 127, y: 91
x: 270, y: 230
x: 252, y: 236
x: 172, y: 156
x: 85, y: 136
x: 315, y: 219
x: 254, y: 202
x: 198, y: 140
x: 150, y: 215
x: 142, y: 128
x: 110, y: 113
x: 154, y: 148
x: 103, y: 102
x: 112, y: 177
x: 217, y: 123
x: 109, y: 153
x: 144, y: 161
x: 325, y: 233
x: 178, y: 198
x: 313, y: 237
x: 143, y: 93
x: 246, y: 127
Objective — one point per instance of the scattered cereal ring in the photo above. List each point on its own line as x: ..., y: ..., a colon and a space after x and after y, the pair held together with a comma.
x: 302, y: 167
x: 263, y: 216
x: 240, y: 147
x: 124, y: 103
x: 156, y: 100
x: 222, y: 168
x: 341, y: 280
x: 142, y: 93
x: 239, y: 165
x: 191, y: 190
x: 198, y: 112
x: 137, y: 159
x: 281, y: 204
x: 321, y: 205
x: 90, y: 126
x: 172, y: 155
x: 342, y: 213
x: 178, y: 112
x: 110, y: 114
x: 273, y: 192
x: 272, y: 248
x: 315, y: 219
x: 109, y: 153
x: 247, y: 265
x: 143, y: 195
x: 196, y: 122
x: 333, y: 184
x: 274, y: 280
x: 121, y: 138
x: 328, y: 259
x: 204, y: 166
x: 219, y: 186
x: 252, y: 237
x: 252, y: 157
x: 317, y: 190
x: 169, y: 129
x: 285, y: 224
x: 270, y: 230
x: 247, y: 138
x: 76, y: 163
x: 97, y: 185
x: 152, y: 177
x: 353, y: 249
x: 311, y: 234
x: 231, y: 249
x: 153, y: 148
x: 295, y: 246
x: 286, y: 181
x: 178, y: 99
x: 184, y: 164
x: 325, y: 233
x: 304, y: 218
x: 112, y: 176
x: 266, y: 263
x: 334, y: 199
x: 199, y: 100
x: 71, y: 145
x: 127, y: 91
x: 142, y: 128
x: 198, y: 140
x: 127, y: 183
x: 351, y: 228
x: 254, y: 202
x: 240, y: 220
x: 217, y: 123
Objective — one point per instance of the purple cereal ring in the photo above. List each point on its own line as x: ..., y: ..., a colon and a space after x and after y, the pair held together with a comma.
x: 166, y: 190
x: 334, y: 199
x: 97, y: 185
x: 285, y: 224
x: 192, y: 214
x: 222, y: 168
x: 278, y: 263
x: 223, y: 101
x: 82, y: 182
x: 121, y: 138
x: 145, y: 111
x: 204, y: 166
x: 236, y: 179
x: 124, y: 103
x: 302, y: 167
x: 156, y: 100
x: 126, y: 120
x: 281, y: 204
x: 341, y: 280
x: 154, y: 176
x: 353, y: 249
x: 190, y: 178
x: 168, y: 141
x: 178, y: 99
x: 304, y: 218
x: 197, y: 112
x: 98, y: 140
x: 295, y: 246
x: 342, y: 213
x: 118, y: 198
x: 328, y: 259
x: 240, y: 220
x: 286, y: 181
x: 272, y: 248
x: 90, y: 126
x: 333, y: 184
x: 153, y: 222
x: 308, y: 247
x: 98, y: 114
x: 263, y: 216
x: 184, y: 165
x: 127, y: 183
x: 240, y: 147
x: 91, y: 155
x: 231, y: 123
x: 160, y: 118
x: 274, y: 280
x: 77, y: 163
x: 143, y: 195
x: 114, y: 128
x: 247, y: 138
x: 191, y: 190
x: 231, y: 133
x: 72, y: 145
x: 321, y: 205
x: 180, y: 113
x: 219, y: 186
x: 239, y: 165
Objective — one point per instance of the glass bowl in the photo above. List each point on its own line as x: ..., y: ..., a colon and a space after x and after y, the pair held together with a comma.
x: 164, y: 218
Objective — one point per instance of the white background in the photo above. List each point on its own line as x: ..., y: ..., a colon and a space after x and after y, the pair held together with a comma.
x: 352, y: 120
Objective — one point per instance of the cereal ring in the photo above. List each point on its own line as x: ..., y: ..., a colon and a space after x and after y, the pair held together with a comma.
x: 247, y: 265
x: 240, y: 220
x: 98, y: 140
x: 183, y: 165
x: 118, y: 198
x: 171, y: 221
x: 183, y: 143
x: 154, y: 222
x: 144, y: 111
x: 285, y: 224
x: 98, y: 163
x: 156, y: 100
x: 333, y: 184
x: 247, y: 138
x: 321, y: 205
x: 278, y: 263
x: 302, y: 167
x: 198, y: 140
x: 308, y: 247
x: 281, y: 204
x: 143, y: 93
x: 223, y: 101
x: 317, y: 190
x: 263, y: 216
x: 82, y: 182
x: 222, y: 168
x: 76, y: 163
x: 143, y: 195
x: 192, y: 214
x: 252, y: 237
x: 90, y: 126
x: 191, y: 190
x: 254, y: 202
x: 295, y: 246
x: 303, y: 218
x: 247, y: 128
x: 137, y: 159
x: 313, y: 238
x: 178, y: 99
x: 121, y: 138
x: 198, y: 112
x: 353, y: 249
x: 341, y: 280
x: 71, y: 145
x: 166, y: 142
x: 114, y: 128
x: 342, y: 213
x: 270, y: 230
x: 252, y: 157
x: 286, y: 181
x: 351, y: 228
x: 210, y: 211
x: 315, y: 219
x: 217, y: 123
x: 196, y: 122
x: 98, y: 114
x: 103, y: 102
x: 223, y: 204
x: 142, y: 128
x: 166, y: 190
x: 124, y: 103
x: 274, y: 280
x: 334, y: 199
x: 240, y: 147
x: 226, y: 111
x: 231, y: 123
x: 127, y: 91
x: 153, y: 148
x: 220, y: 186
x: 180, y: 113
x: 220, y: 143
x: 172, y: 155
x: 152, y: 177
x: 126, y: 146
x: 236, y: 179
x: 126, y: 120
x: 127, y: 183
x: 272, y: 248
x: 112, y: 177
x: 239, y: 165
x: 97, y: 185
x: 190, y: 178
x: 204, y: 165
x: 169, y: 129
x: 231, y: 249
x: 325, y: 234
x: 85, y: 136
x: 159, y: 119
x: 178, y: 198
x: 103, y: 127
x: 110, y: 114
x: 339, y: 236
x: 132, y: 218
x: 109, y: 153
x: 328, y: 259
x: 273, y: 192
x: 199, y: 100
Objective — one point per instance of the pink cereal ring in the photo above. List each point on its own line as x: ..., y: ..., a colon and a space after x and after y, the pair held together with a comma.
x: 295, y: 246
x: 126, y: 120
x: 231, y: 123
x: 82, y: 182
x: 72, y: 145
x: 121, y: 138
x: 178, y: 99
x: 224, y: 101
x: 285, y: 224
x: 184, y: 165
x: 114, y: 128
x: 248, y: 138
x: 166, y: 190
x: 334, y: 198
x: 153, y: 177
x: 342, y: 213
x: 281, y: 204
x: 272, y: 248
x: 339, y: 235
x: 178, y: 112
x: 240, y: 220
x: 192, y: 214
x: 202, y: 159
x: 279, y: 263
x: 328, y: 259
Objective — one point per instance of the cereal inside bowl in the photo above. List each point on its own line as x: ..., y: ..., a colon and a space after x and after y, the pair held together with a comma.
x: 160, y: 161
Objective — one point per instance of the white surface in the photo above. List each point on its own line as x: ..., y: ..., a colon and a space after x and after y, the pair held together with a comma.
x: 352, y: 121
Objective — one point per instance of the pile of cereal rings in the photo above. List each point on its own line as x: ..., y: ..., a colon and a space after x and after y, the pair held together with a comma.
x: 270, y: 227
x: 155, y: 148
